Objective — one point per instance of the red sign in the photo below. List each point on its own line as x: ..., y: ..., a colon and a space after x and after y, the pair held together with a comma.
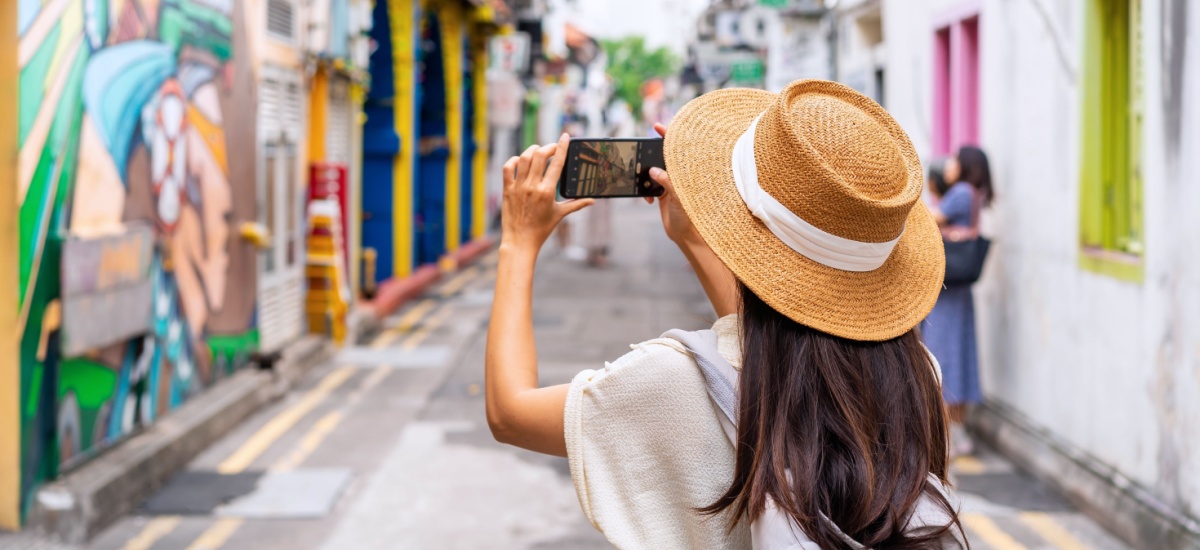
x: 329, y: 181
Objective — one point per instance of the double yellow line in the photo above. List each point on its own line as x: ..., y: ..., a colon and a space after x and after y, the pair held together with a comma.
x: 414, y: 326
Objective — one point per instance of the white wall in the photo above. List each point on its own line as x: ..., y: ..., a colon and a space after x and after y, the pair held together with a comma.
x: 1110, y: 366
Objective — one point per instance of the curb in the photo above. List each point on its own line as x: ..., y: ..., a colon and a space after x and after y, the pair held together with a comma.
x: 80, y: 504
x: 394, y: 293
x: 1124, y: 507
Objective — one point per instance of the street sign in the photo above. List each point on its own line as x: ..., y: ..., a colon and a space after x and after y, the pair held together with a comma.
x: 510, y: 52
x: 747, y: 71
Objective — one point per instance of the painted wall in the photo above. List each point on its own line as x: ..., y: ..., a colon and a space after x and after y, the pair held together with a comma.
x: 1112, y: 367
x: 131, y: 111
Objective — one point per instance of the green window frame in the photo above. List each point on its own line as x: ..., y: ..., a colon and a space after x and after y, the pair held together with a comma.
x: 1111, y: 239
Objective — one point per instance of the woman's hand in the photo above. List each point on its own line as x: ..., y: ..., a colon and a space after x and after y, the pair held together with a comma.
x: 529, y: 212
x: 675, y: 220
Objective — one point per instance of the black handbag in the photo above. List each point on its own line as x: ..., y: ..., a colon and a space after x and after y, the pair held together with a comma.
x: 964, y: 257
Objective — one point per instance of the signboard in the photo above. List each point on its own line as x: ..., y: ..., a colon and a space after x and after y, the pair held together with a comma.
x: 747, y: 71
x: 106, y: 288
x: 509, y: 52
x: 714, y: 63
x: 506, y: 98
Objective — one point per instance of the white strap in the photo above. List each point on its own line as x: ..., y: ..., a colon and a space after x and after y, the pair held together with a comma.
x: 801, y: 236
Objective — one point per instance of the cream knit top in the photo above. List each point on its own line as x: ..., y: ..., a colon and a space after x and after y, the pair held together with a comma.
x: 646, y: 449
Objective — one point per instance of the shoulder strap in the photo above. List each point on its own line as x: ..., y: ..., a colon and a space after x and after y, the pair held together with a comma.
x: 720, y: 378
x: 773, y: 530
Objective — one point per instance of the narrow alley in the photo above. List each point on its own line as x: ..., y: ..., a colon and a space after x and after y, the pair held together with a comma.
x: 386, y: 445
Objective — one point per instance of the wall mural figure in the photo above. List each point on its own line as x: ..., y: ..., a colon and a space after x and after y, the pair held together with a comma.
x: 132, y: 111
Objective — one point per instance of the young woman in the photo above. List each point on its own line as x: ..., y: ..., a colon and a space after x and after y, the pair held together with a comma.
x: 950, y: 329
x: 810, y: 416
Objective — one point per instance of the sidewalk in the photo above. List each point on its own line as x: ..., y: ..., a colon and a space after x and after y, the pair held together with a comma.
x: 386, y: 445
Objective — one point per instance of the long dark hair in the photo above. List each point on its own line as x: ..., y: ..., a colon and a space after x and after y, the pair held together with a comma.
x: 837, y: 428
x: 973, y: 169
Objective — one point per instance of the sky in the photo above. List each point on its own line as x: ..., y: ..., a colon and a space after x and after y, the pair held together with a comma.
x: 667, y: 23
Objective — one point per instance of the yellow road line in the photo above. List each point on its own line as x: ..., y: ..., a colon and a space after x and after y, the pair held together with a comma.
x: 316, y: 434
x: 459, y: 281
x: 986, y: 529
x: 968, y: 465
x: 156, y: 529
x: 328, y: 423
x: 273, y: 430
x: 1051, y: 530
x: 216, y: 536
x: 422, y: 333
x: 404, y: 325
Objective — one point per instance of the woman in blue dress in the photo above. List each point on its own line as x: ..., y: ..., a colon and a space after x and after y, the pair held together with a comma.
x: 950, y: 328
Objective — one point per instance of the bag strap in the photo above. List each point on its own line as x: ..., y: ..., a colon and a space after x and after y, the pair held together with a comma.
x: 721, y: 381
x: 720, y: 378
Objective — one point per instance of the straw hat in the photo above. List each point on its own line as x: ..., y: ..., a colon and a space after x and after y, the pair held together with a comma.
x: 811, y: 197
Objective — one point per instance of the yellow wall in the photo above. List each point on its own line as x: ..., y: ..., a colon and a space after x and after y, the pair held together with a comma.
x: 479, y: 171
x: 10, y: 373
x: 402, y: 15
x: 452, y: 20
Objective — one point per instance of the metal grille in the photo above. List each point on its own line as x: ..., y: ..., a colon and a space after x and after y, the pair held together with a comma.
x: 282, y: 313
x: 293, y: 111
x: 281, y: 15
x: 269, y: 100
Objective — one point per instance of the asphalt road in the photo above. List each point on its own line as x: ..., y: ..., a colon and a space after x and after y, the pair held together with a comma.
x: 386, y: 446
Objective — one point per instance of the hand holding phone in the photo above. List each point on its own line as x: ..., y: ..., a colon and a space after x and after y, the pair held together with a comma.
x: 611, y: 167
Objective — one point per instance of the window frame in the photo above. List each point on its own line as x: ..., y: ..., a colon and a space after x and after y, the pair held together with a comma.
x: 1111, y: 237
x: 956, y: 75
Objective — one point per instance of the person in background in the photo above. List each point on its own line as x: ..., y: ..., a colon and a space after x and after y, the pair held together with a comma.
x: 950, y: 328
x: 936, y: 179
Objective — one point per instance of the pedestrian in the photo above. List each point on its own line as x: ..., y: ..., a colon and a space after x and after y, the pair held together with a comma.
x: 950, y: 329
x: 936, y: 179
x: 810, y: 416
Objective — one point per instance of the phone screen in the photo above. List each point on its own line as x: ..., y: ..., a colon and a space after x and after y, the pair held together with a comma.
x: 611, y: 167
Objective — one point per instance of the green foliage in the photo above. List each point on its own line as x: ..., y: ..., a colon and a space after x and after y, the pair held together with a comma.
x: 630, y: 65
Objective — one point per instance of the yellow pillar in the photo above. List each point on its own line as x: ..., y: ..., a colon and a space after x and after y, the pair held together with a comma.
x: 451, y: 16
x: 479, y: 170
x: 10, y: 364
x: 402, y: 16
x: 318, y: 115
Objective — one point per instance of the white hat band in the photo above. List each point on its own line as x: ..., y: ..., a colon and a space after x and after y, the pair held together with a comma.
x: 801, y: 236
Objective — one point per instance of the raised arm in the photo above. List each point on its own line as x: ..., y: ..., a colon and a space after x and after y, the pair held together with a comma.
x: 518, y: 411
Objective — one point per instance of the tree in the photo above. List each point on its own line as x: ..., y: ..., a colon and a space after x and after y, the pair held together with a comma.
x: 630, y: 65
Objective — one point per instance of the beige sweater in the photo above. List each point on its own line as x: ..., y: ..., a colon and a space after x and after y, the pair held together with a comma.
x: 646, y: 448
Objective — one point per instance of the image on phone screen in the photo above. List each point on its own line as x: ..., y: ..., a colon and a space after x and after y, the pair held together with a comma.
x: 611, y: 168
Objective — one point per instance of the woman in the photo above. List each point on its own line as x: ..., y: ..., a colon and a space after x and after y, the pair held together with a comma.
x: 950, y: 328
x: 810, y: 416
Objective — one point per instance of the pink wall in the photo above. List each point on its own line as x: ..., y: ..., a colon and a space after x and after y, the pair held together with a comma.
x: 956, y: 81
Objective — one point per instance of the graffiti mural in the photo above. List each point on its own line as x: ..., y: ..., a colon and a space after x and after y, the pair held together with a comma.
x: 132, y: 113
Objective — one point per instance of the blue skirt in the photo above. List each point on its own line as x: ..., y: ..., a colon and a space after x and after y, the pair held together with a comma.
x: 949, y: 333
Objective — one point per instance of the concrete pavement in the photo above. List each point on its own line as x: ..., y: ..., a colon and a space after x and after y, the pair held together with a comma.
x: 386, y: 445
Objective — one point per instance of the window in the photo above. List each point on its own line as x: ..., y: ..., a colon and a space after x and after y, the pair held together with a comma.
x: 1110, y: 173
x: 956, y: 85
x: 270, y: 156
x: 281, y: 16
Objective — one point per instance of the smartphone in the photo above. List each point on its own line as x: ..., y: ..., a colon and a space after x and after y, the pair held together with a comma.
x: 611, y: 167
